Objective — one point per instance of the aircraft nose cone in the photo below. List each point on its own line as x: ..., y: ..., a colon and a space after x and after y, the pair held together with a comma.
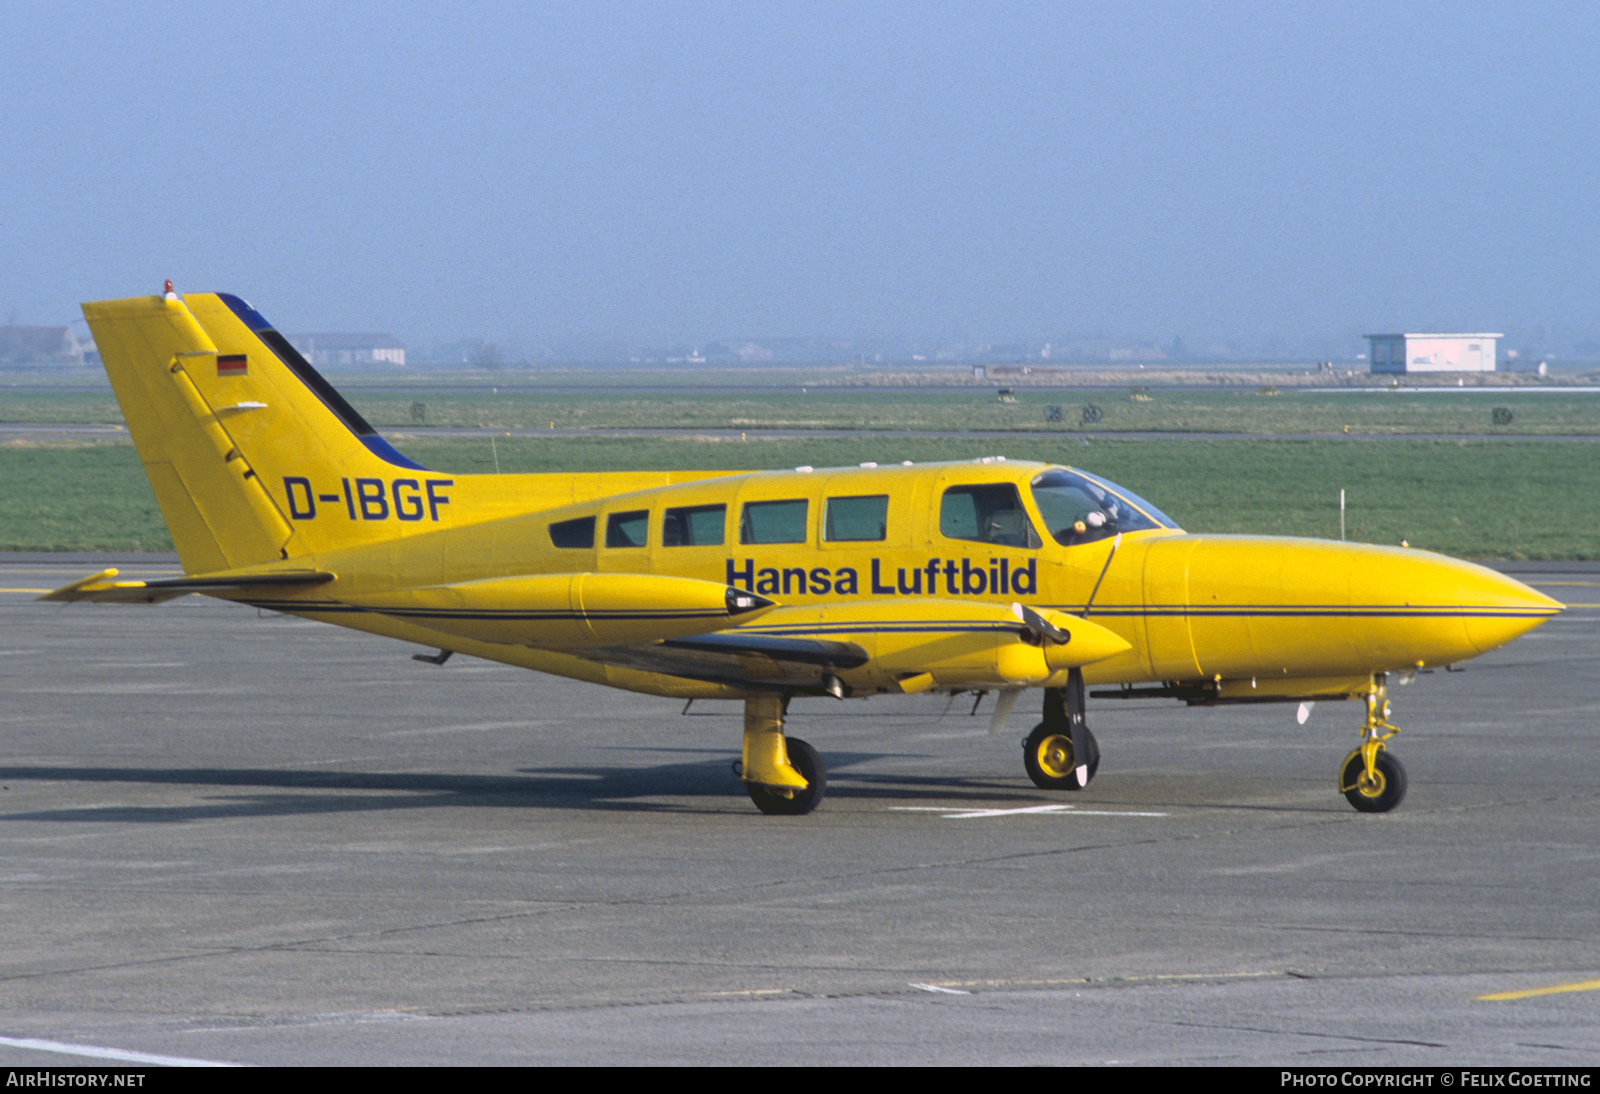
x: 1232, y: 606
x: 1512, y: 609
x: 1474, y: 609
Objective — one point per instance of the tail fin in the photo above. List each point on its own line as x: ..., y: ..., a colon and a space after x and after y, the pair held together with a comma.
x: 243, y: 440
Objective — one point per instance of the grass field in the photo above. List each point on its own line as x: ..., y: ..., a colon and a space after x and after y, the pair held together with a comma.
x: 1234, y: 410
x: 1476, y: 499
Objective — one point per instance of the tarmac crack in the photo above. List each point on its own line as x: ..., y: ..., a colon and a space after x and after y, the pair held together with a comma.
x: 1357, y: 1038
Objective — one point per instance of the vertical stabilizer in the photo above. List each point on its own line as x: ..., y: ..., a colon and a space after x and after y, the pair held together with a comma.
x: 253, y: 456
x: 216, y: 508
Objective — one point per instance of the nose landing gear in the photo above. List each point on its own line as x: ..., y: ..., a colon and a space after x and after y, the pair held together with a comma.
x: 1370, y: 779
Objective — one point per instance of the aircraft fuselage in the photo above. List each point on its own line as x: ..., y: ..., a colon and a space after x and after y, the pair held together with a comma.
x: 1242, y: 616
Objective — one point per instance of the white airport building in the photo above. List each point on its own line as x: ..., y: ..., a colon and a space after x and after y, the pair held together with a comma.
x: 1400, y: 353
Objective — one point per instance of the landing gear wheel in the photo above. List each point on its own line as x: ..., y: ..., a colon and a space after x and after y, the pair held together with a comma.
x: 808, y: 763
x: 1047, y: 754
x: 1378, y: 795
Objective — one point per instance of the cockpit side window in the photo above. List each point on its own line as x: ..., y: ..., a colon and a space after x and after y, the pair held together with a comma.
x: 987, y: 513
x: 1080, y: 508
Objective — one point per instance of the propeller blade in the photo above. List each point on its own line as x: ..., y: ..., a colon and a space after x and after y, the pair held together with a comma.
x: 1003, y: 702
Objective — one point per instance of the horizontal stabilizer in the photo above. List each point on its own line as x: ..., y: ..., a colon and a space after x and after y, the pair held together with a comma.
x: 100, y: 588
x: 569, y: 611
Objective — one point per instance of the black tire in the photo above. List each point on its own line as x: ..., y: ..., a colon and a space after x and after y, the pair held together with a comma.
x: 809, y: 764
x: 1380, y: 796
x: 1047, y: 754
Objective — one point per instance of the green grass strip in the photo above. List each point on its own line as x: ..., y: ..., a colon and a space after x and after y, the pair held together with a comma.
x: 1484, y: 499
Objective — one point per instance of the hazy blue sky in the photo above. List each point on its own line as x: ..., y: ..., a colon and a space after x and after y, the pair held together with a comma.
x: 684, y: 170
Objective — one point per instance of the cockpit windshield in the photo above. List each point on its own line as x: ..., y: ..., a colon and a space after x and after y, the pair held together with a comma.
x: 1080, y: 508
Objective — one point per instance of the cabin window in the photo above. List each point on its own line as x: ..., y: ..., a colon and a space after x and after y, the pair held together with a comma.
x: 693, y: 526
x: 773, y: 522
x: 573, y: 533
x: 990, y: 513
x: 856, y: 520
x: 627, y: 529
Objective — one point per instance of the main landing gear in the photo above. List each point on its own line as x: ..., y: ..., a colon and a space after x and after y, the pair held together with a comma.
x: 1061, y: 753
x: 1370, y: 779
x: 784, y: 776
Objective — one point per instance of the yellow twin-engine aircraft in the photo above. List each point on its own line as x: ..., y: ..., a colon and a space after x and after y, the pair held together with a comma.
x: 992, y: 575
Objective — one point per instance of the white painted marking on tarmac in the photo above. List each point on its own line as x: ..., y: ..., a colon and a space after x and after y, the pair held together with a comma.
x: 952, y: 812
x: 936, y: 988
x: 463, y: 727
x: 750, y: 992
x: 100, y: 1053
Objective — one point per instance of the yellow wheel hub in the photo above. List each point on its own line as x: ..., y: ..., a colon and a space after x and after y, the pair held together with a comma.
x: 1055, y: 756
x: 1373, y: 787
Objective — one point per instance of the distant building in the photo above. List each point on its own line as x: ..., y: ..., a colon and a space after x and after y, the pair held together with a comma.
x: 1144, y: 351
x: 40, y: 346
x: 1401, y: 353
x: 350, y: 350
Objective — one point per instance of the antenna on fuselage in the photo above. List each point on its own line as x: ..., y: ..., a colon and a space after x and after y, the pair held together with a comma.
x: 1115, y: 543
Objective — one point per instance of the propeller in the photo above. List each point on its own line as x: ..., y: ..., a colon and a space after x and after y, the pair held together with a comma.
x: 1040, y: 626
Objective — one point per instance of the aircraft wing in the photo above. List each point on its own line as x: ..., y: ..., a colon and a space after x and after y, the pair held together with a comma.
x: 880, y: 646
x: 103, y: 588
x: 740, y: 659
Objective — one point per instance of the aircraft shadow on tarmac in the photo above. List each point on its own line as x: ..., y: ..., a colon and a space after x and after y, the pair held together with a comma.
x: 594, y: 788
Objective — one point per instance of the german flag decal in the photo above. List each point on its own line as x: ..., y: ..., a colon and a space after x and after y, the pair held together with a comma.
x: 231, y: 364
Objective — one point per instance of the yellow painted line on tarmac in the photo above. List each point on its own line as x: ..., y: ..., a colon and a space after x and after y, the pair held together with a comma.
x: 1583, y: 605
x: 1584, y: 985
x: 41, y: 592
